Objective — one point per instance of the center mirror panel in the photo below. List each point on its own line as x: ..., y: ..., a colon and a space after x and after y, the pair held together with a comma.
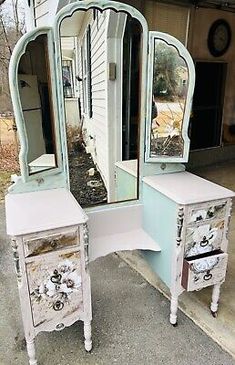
x: 101, y: 71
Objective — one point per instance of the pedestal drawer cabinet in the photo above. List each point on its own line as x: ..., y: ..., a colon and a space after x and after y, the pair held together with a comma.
x: 49, y: 238
x: 191, y: 226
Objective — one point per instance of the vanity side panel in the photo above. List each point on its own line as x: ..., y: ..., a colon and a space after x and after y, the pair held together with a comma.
x: 126, y: 185
x: 159, y: 221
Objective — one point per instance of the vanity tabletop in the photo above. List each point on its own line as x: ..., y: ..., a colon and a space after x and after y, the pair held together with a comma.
x: 42, y: 210
x: 186, y: 188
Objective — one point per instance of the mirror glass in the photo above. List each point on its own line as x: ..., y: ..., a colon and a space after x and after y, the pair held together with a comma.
x: 35, y: 96
x: 101, y: 63
x: 169, y: 93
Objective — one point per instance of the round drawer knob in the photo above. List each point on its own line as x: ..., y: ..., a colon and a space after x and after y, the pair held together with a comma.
x: 60, y: 326
x: 54, y: 244
x: 58, y: 306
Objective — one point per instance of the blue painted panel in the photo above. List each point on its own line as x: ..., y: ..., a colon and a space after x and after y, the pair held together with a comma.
x: 159, y: 221
x: 126, y: 185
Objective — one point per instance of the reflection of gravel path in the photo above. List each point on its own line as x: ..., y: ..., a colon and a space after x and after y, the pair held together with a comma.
x: 79, y: 164
x: 167, y: 147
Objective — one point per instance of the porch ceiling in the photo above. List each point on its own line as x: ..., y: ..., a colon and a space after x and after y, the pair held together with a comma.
x: 213, y: 4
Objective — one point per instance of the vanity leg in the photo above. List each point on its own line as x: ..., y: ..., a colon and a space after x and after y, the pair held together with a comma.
x: 174, y: 308
x: 31, y: 351
x: 87, y: 336
x: 215, y: 300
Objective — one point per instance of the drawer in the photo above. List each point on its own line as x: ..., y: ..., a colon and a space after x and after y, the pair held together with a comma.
x: 204, y: 238
x: 205, y: 212
x: 39, y: 244
x: 200, y: 272
x: 55, y: 286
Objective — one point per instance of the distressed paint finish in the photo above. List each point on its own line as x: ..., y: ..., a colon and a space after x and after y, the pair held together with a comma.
x: 200, y: 273
x: 206, y: 212
x: 16, y: 258
x: 204, y: 238
x: 51, y: 264
x: 37, y: 245
x: 184, y: 230
x: 55, y: 286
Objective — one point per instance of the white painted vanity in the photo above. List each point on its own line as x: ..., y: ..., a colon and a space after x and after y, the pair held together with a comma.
x: 191, y: 225
x: 113, y: 169
x: 49, y: 238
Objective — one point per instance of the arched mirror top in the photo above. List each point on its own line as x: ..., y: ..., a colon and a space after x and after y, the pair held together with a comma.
x: 100, y: 5
x: 32, y: 84
x: 171, y: 79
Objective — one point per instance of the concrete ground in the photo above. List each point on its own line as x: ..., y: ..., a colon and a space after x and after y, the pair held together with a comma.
x: 130, y: 324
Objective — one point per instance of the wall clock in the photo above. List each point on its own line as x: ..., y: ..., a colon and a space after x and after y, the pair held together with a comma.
x: 219, y: 37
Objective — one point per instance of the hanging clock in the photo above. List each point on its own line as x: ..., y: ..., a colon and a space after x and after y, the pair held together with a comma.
x: 219, y: 37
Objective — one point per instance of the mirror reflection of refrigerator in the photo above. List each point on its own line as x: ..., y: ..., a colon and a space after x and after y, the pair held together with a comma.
x: 32, y: 111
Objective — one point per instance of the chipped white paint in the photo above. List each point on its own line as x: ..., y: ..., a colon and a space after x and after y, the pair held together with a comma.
x: 199, y: 257
x: 51, y: 264
x: 203, y: 272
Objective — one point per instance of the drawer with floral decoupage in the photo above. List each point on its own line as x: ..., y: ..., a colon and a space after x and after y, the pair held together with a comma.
x: 204, y: 270
x: 55, y: 286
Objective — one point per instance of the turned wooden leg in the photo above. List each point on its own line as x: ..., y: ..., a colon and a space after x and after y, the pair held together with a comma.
x: 174, y: 308
x: 87, y: 336
x: 215, y: 299
x: 31, y: 351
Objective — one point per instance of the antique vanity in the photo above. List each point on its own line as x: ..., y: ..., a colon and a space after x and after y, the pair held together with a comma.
x: 102, y: 164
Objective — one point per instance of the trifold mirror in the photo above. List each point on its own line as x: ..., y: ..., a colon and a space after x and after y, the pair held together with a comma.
x: 84, y: 90
x: 101, y: 58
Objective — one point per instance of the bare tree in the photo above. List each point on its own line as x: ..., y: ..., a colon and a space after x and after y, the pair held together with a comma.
x: 11, y: 29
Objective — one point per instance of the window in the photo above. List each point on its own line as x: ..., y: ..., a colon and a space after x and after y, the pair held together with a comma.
x: 86, y: 73
x: 67, y: 79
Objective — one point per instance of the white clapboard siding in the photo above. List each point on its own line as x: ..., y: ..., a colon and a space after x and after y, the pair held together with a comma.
x: 41, y: 12
x: 99, y: 93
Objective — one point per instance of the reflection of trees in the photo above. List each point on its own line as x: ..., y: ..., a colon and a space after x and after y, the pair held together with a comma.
x: 168, y: 71
x: 170, y: 80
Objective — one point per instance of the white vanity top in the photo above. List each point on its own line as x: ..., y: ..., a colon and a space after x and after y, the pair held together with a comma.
x: 45, y: 161
x: 41, y: 211
x: 186, y: 188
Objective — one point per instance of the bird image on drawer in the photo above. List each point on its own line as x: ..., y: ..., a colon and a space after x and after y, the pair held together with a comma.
x: 205, y: 212
x: 55, y: 286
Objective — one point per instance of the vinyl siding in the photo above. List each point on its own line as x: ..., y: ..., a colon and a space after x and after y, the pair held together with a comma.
x: 41, y: 12
x: 97, y: 126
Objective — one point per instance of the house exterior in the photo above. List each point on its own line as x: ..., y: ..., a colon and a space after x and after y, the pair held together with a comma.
x: 212, y: 128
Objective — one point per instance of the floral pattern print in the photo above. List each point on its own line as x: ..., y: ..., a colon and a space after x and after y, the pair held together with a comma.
x: 63, y: 281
